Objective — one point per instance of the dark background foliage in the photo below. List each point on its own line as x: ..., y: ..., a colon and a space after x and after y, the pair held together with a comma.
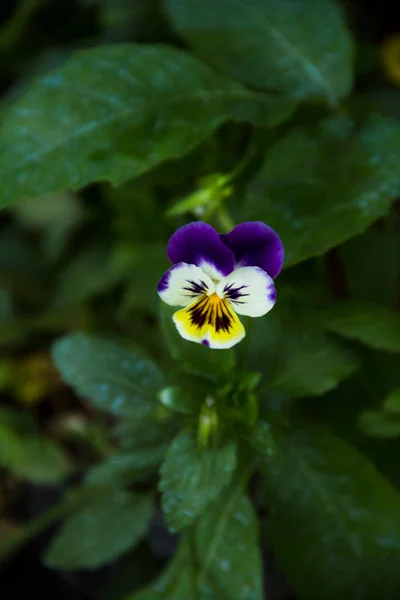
x: 137, y: 466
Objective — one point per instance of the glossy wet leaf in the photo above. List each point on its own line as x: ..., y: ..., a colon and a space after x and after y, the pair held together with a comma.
x: 356, y: 174
x: 261, y: 438
x: 115, y: 378
x: 300, y: 47
x: 113, y: 112
x: 333, y: 520
x: 102, y: 530
x: 227, y: 542
x: 192, y: 477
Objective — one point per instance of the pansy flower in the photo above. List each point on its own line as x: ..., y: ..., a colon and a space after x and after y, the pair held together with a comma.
x: 217, y: 277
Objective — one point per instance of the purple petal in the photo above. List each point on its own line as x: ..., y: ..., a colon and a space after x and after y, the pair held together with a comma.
x: 199, y: 244
x: 255, y: 244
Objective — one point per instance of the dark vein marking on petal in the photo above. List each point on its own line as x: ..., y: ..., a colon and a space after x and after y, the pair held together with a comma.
x: 196, y: 287
x: 211, y: 310
x: 234, y: 293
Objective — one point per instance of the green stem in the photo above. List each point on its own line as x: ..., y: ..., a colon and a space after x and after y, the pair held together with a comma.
x: 43, y: 521
x: 244, y: 346
x: 15, y: 26
x: 225, y: 220
x: 243, y: 162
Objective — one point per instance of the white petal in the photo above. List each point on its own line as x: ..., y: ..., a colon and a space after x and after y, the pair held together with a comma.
x: 183, y: 283
x: 250, y: 290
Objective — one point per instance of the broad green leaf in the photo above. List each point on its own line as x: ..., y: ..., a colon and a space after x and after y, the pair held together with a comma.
x: 102, y: 530
x: 300, y: 47
x: 195, y: 358
x: 371, y: 324
x: 333, y: 520
x: 227, y: 546
x: 113, y: 112
x: 392, y: 402
x: 378, y: 423
x: 293, y: 354
x: 115, y: 378
x: 124, y: 469
x: 192, y: 477
x: 313, y: 366
x: 356, y: 175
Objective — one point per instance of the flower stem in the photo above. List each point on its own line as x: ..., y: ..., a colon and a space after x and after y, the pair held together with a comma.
x: 225, y: 220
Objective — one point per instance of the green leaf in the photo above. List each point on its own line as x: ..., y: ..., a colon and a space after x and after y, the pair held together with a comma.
x: 377, y: 251
x: 195, y: 358
x: 179, y: 581
x: 161, y: 426
x: 89, y: 273
x: 115, y: 378
x: 392, y: 402
x: 34, y: 459
x: 102, y: 530
x: 300, y: 47
x: 227, y: 545
x: 192, y: 477
x: 356, y: 175
x: 173, y: 584
x: 371, y: 324
x: 113, y: 112
x: 378, y: 423
x: 261, y: 438
x: 294, y: 356
x: 28, y: 455
x: 334, y: 521
x: 124, y: 469
x: 314, y: 365
x: 179, y: 400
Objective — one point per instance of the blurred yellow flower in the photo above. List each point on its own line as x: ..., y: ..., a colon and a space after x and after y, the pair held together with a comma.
x: 390, y: 55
